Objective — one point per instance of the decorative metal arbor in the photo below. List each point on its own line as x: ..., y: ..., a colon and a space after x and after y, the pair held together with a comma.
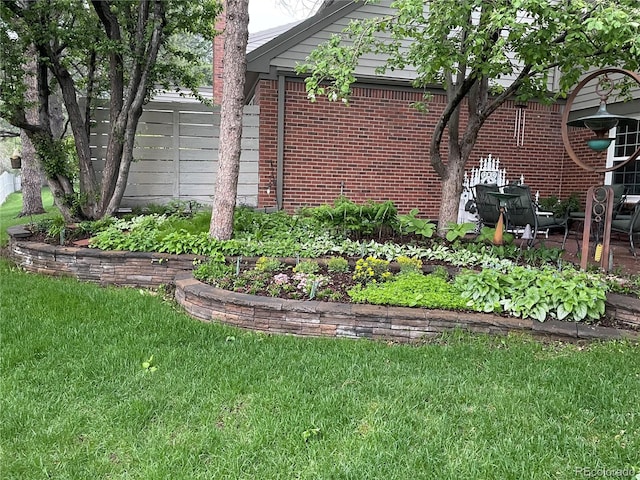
x: 599, y: 205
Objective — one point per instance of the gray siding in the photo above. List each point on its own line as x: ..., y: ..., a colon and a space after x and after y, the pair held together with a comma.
x: 176, y: 154
x: 588, y: 99
x: 368, y: 63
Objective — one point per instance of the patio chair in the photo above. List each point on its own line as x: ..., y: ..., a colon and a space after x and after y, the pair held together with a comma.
x: 522, y: 211
x: 488, y: 207
x: 628, y: 224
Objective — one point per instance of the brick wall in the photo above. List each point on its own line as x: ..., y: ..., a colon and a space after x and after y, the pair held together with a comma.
x: 377, y: 148
x: 218, y: 54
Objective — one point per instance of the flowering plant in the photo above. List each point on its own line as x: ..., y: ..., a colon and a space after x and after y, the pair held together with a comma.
x: 372, y: 270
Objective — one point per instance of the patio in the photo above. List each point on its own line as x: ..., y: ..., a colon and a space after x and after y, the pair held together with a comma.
x: 623, y: 261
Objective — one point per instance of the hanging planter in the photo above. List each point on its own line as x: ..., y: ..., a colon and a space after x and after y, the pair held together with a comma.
x: 16, y: 160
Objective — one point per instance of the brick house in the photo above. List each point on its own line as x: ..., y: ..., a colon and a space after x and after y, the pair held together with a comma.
x: 377, y: 147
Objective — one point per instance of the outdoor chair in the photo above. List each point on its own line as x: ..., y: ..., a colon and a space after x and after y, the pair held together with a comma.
x: 628, y: 224
x: 488, y: 206
x: 522, y: 211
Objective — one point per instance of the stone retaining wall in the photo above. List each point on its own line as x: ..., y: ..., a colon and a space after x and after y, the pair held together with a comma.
x: 401, y: 324
x: 133, y: 269
x: 312, y: 318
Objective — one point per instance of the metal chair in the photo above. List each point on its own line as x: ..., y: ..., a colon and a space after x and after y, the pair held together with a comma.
x: 488, y: 207
x: 629, y: 225
x: 522, y: 211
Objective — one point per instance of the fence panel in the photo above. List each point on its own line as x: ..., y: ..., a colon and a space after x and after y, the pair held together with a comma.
x: 9, y: 183
x: 176, y: 154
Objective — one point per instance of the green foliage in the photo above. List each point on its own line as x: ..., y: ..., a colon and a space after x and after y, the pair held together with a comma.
x: 410, y: 223
x: 456, y: 231
x: 307, y: 266
x: 350, y: 219
x: 575, y: 39
x: 559, y: 207
x: 487, y: 233
x: 267, y: 264
x: 57, y: 157
x: 535, y: 293
x: 411, y: 289
x: 372, y: 270
x: 212, y: 270
x: 338, y: 265
x: 408, y: 264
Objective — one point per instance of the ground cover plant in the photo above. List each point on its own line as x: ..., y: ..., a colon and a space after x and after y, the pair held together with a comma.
x: 117, y: 383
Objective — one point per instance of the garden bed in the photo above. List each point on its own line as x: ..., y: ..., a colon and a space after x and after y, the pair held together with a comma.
x: 156, y: 269
x: 380, y: 322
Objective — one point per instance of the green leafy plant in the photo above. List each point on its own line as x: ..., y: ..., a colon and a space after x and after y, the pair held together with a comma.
x: 411, y: 289
x: 337, y: 265
x: 535, y: 293
x: 268, y: 264
x: 356, y: 220
x: 372, y: 269
x: 456, y: 231
x: 307, y: 266
x: 487, y: 233
x: 410, y: 223
x: 149, y: 365
x: 213, y: 269
x: 408, y: 264
x: 559, y: 207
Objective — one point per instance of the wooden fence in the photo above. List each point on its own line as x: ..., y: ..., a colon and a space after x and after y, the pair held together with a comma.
x: 176, y: 153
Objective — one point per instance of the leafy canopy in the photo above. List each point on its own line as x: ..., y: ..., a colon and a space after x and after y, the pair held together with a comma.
x: 453, y: 42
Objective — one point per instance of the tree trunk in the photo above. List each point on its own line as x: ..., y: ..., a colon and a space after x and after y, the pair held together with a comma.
x: 235, y: 66
x: 451, y: 191
x: 32, y: 176
x: 32, y: 179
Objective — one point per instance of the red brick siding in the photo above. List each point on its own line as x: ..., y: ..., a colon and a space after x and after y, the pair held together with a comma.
x: 218, y: 55
x: 377, y: 149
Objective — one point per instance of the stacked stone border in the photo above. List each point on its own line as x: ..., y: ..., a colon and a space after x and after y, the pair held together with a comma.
x: 295, y: 317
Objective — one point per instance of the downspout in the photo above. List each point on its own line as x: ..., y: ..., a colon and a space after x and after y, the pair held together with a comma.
x: 280, y: 144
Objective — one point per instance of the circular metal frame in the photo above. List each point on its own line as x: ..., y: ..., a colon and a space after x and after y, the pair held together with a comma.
x: 565, y: 119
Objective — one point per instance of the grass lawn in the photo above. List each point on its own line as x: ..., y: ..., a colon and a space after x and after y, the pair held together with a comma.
x: 78, y: 401
x: 12, y: 207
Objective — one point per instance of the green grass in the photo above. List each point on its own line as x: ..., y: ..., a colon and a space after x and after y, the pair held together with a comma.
x: 12, y: 207
x: 77, y: 402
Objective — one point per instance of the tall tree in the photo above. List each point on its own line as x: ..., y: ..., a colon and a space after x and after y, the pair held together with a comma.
x: 113, y: 52
x: 470, y: 48
x: 231, y: 110
x: 31, y: 171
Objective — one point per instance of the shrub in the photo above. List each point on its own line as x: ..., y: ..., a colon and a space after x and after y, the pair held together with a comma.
x: 408, y: 264
x: 371, y: 270
x: 337, y: 265
x: 306, y: 266
x: 268, y: 264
